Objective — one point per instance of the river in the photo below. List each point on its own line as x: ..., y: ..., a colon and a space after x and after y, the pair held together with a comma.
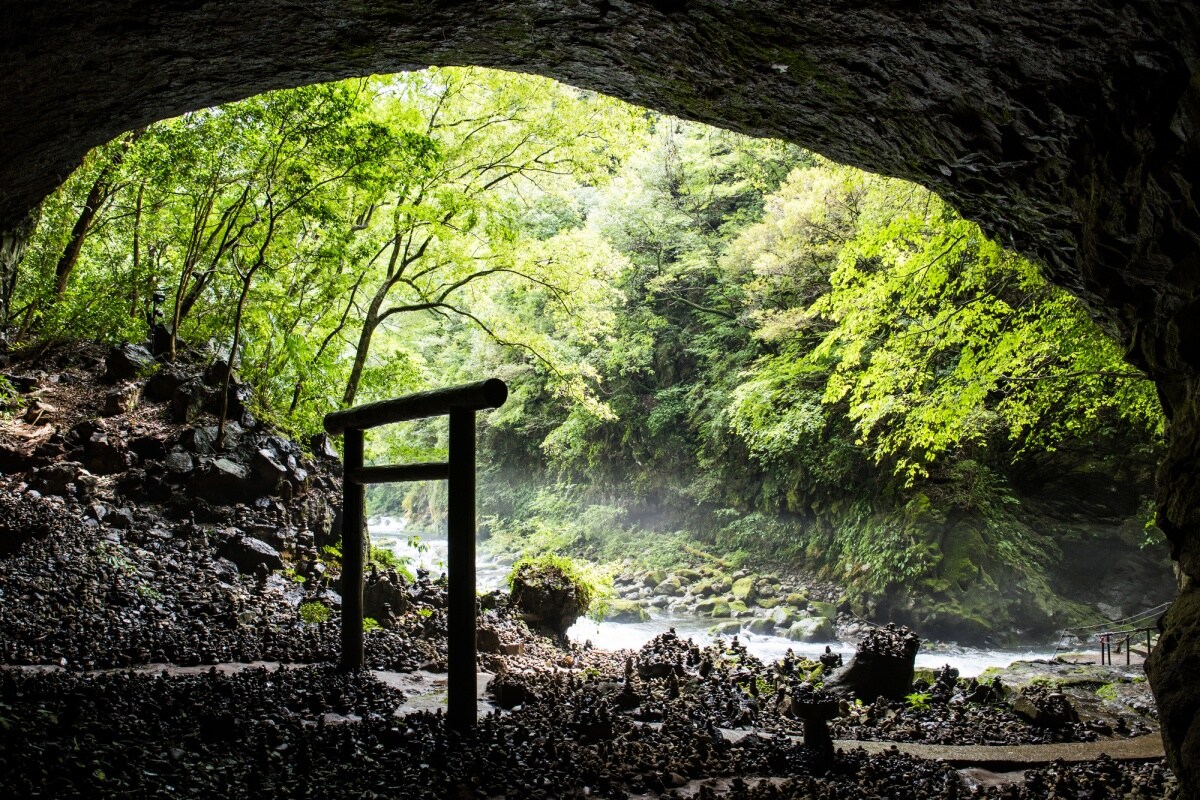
x: 430, y: 553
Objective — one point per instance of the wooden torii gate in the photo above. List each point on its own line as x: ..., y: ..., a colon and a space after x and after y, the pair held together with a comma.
x: 459, y: 403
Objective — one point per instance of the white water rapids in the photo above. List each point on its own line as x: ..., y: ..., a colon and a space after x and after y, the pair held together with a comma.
x: 430, y: 553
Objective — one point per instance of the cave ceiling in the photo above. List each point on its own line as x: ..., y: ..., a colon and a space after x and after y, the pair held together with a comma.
x: 1068, y: 129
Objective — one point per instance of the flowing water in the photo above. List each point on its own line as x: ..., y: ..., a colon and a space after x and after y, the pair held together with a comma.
x: 430, y: 553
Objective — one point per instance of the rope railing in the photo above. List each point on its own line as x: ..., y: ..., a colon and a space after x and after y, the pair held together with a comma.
x: 1121, y: 631
x: 1117, y: 623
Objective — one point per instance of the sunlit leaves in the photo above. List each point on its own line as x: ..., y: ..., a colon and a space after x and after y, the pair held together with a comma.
x: 931, y: 337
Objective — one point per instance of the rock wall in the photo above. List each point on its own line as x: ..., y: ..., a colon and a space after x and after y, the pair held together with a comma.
x: 1068, y: 129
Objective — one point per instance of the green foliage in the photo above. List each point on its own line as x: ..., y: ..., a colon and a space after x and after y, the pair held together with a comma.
x: 10, y: 399
x: 918, y: 701
x: 314, y: 613
x: 370, y: 624
x: 386, y: 559
x: 713, y: 343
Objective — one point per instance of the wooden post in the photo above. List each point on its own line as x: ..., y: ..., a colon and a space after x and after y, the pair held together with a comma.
x: 1128, y: 640
x: 460, y: 533
x: 353, y: 545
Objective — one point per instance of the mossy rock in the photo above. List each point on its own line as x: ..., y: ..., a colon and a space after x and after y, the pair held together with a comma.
x: 924, y: 674
x: 704, y: 589
x: 687, y: 576
x: 761, y: 626
x: 671, y: 587
x: 625, y: 611
x: 796, y: 599
x: 721, y: 584
x: 783, y: 616
x: 706, y: 606
x: 820, y: 609
x: 769, y: 602
x: 653, y: 578
x: 744, y: 590
x: 728, y: 628
x: 738, y: 608
x: 811, y: 629
x: 721, y: 610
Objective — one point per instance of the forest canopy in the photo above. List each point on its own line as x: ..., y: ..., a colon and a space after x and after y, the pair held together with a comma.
x: 732, y: 342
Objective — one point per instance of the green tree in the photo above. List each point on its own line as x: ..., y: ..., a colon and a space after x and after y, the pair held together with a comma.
x: 443, y: 231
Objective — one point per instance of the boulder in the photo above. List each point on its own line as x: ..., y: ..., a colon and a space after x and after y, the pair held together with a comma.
x: 653, y: 578
x: 267, y: 471
x: 760, y: 625
x: 487, y: 640
x: 383, y: 592
x: 625, y: 611
x: 120, y: 518
x: 127, y: 361
x: 322, y: 447
x: 738, y: 608
x: 881, y: 667
x: 221, y: 481
x: 1044, y: 707
x: 671, y: 587
x: 728, y: 628
x: 820, y: 609
x: 214, y: 373
x: 103, y: 456
x: 187, y: 401
x: 161, y: 385
x: 721, y: 610
x: 248, y: 553
x: 687, y: 576
x: 705, y: 606
x: 23, y: 384
x: 58, y: 478
x: 122, y: 401
x: 179, y: 462
x: 769, y: 602
x: 547, y: 598
x: 810, y: 629
x: 744, y: 589
x: 13, y: 458
x: 198, y: 440
x: 782, y: 617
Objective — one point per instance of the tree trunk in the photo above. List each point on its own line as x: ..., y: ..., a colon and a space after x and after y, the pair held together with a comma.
x: 237, y: 336
x: 13, y: 243
x: 99, y: 194
x: 360, y: 355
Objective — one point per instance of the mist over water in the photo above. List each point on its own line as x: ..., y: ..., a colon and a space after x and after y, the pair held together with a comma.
x: 430, y: 553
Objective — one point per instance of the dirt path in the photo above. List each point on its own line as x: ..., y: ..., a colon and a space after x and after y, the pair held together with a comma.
x: 1002, y: 757
x: 426, y: 691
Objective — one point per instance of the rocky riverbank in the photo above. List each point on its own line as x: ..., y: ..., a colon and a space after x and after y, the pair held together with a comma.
x: 117, y: 552
x: 735, y: 601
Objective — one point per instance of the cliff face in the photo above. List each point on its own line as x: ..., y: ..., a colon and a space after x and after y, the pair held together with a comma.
x: 1070, y: 130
